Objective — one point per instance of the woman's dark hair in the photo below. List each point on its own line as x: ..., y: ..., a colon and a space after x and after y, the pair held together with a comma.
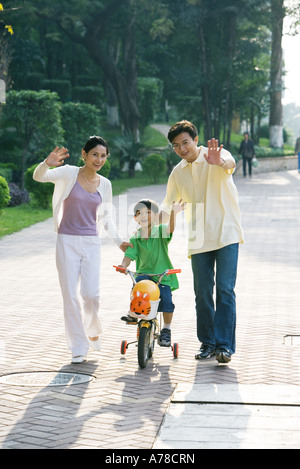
x: 93, y: 141
x: 180, y: 127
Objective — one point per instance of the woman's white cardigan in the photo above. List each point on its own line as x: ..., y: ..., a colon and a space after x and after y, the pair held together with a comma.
x: 64, y: 178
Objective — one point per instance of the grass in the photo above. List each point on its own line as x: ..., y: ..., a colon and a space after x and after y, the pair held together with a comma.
x: 120, y: 186
x: 14, y: 219
x: 153, y: 138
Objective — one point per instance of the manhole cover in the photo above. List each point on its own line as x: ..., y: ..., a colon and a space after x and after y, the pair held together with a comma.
x: 292, y: 339
x: 45, y: 378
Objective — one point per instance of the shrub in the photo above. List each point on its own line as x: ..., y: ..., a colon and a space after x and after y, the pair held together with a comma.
x: 17, y: 195
x: 80, y: 120
x: 61, y: 87
x: 150, y: 91
x: 7, y: 170
x: 266, y: 152
x: 89, y: 94
x: 42, y: 192
x: 154, y: 165
x: 130, y: 152
x: 172, y: 159
x: 105, y: 170
x: 6, y: 173
x: 33, y: 121
x: 4, y: 193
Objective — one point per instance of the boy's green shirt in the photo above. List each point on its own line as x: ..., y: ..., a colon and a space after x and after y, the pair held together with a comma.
x: 151, y: 255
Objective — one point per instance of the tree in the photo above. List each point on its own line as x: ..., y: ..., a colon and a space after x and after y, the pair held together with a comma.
x: 5, y: 55
x: 97, y: 31
x: 131, y: 152
x: 35, y: 118
x: 79, y: 120
x: 212, y: 57
x: 227, y: 55
x: 7, y: 26
x: 276, y: 111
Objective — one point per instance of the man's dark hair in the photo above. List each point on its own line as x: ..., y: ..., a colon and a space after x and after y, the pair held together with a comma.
x: 180, y: 127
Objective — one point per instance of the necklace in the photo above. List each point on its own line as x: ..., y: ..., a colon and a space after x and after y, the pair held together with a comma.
x: 91, y: 183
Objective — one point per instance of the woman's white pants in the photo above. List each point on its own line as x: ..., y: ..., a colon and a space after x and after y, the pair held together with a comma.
x: 78, y: 265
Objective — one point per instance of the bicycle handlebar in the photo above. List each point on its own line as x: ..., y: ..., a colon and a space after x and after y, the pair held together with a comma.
x: 166, y: 272
x: 119, y: 269
x: 173, y: 271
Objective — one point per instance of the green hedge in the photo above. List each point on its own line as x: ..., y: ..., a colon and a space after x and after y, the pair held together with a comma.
x: 4, y: 193
x: 154, y: 165
x: 42, y: 192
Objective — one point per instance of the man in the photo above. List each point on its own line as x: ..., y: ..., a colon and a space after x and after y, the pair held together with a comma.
x: 203, y: 180
x: 248, y: 153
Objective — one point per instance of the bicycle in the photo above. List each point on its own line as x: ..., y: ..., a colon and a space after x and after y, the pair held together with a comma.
x: 145, y: 298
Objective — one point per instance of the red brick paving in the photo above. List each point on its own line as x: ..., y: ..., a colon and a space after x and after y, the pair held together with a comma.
x: 123, y: 407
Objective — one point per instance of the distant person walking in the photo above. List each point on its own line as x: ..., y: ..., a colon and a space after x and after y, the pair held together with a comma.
x: 248, y: 153
x: 81, y: 200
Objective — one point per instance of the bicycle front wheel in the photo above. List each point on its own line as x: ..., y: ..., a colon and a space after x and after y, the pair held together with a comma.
x: 144, y: 346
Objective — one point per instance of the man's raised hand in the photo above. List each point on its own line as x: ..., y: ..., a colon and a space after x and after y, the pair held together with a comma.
x: 213, y: 155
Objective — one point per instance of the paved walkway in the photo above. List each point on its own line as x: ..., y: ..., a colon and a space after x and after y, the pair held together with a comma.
x: 252, y: 402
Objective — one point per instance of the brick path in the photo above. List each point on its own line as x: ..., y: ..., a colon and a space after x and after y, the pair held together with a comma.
x: 123, y: 406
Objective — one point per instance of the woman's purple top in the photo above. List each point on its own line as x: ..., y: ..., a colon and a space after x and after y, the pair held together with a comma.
x: 80, y: 212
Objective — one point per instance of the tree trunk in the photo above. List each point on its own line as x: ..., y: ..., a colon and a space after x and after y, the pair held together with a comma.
x: 276, y: 113
x: 205, y: 86
x: 127, y: 104
x: 112, y: 110
x: 230, y: 25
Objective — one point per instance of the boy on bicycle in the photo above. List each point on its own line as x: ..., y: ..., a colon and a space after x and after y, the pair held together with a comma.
x: 150, y: 251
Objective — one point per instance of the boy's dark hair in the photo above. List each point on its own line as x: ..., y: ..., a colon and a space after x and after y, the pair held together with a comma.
x: 180, y: 127
x: 149, y: 204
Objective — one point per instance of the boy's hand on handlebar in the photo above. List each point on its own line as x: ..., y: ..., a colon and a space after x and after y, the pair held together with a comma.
x: 120, y: 268
x: 125, y: 245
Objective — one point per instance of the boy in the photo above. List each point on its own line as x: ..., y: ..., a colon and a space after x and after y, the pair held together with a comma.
x: 150, y: 251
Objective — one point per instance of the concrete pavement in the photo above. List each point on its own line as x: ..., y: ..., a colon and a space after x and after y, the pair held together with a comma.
x: 108, y: 402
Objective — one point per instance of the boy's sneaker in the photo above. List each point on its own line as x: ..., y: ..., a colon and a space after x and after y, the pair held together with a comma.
x: 164, y: 339
x: 129, y: 320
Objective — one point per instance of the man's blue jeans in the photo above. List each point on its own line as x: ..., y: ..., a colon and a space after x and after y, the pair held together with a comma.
x: 216, y: 321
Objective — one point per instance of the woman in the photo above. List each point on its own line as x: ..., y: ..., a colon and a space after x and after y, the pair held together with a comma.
x: 81, y: 200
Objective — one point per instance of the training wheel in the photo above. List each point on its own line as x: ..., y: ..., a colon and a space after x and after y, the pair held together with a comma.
x: 175, y: 349
x: 124, y: 347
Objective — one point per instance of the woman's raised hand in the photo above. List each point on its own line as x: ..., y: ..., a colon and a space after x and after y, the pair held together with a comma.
x: 57, y: 156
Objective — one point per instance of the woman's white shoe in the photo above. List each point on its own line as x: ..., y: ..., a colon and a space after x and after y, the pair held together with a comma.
x: 95, y: 344
x: 78, y: 359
